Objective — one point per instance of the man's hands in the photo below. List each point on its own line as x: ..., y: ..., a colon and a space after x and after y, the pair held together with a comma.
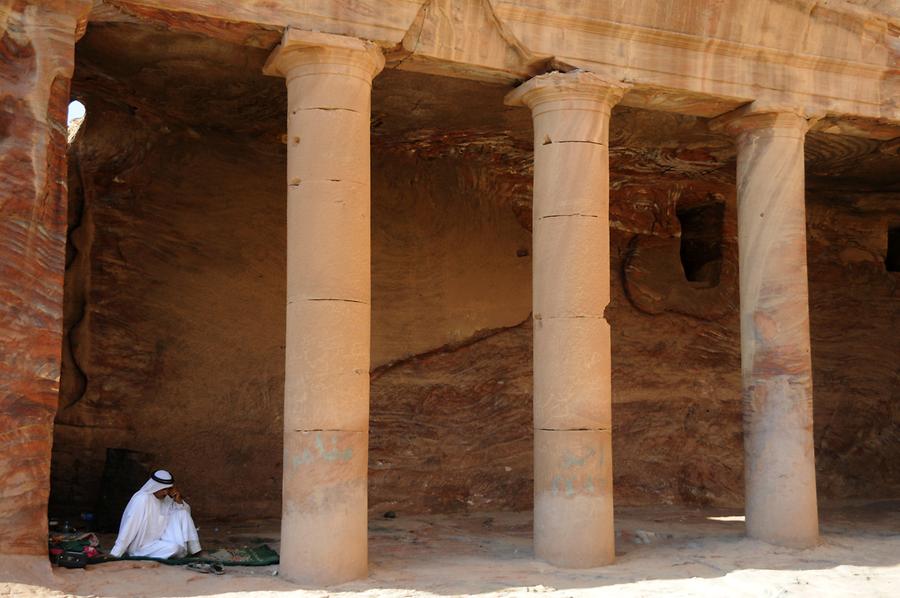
x: 175, y: 494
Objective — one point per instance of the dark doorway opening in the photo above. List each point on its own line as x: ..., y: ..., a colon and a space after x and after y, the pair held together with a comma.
x: 701, y: 242
x: 892, y: 258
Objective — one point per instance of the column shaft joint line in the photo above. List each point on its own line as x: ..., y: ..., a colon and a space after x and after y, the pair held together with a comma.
x: 573, y: 215
x: 303, y: 430
x: 601, y: 429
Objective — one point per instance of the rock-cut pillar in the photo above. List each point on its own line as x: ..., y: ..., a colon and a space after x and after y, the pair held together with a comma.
x: 38, y: 58
x: 573, y: 501
x: 779, y: 462
x: 326, y: 391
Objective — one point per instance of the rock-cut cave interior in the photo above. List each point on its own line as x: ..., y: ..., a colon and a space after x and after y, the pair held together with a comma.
x: 175, y: 282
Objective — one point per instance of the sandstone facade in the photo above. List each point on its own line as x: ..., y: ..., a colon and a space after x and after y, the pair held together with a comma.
x: 172, y: 338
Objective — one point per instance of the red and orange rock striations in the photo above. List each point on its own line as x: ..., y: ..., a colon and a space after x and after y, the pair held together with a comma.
x: 37, y: 52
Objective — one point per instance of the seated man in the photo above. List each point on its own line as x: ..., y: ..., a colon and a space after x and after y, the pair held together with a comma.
x: 157, y: 522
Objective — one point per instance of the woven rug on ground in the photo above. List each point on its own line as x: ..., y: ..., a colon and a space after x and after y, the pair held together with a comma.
x: 251, y: 556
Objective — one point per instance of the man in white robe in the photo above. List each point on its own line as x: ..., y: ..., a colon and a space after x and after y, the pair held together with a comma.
x: 157, y: 522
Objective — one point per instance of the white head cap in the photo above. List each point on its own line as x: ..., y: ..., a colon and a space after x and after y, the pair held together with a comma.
x: 159, y: 480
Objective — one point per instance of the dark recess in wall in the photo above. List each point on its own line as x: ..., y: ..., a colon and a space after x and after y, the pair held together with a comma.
x: 892, y: 259
x: 701, y: 242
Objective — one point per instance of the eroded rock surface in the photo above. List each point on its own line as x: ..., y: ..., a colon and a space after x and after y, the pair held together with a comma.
x: 854, y: 316
x: 36, y: 60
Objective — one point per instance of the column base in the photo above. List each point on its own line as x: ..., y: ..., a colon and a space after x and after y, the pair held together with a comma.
x: 324, y: 523
x: 572, y: 533
x: 775, y: 538
x: 573, y: 502
x: 779, y: 459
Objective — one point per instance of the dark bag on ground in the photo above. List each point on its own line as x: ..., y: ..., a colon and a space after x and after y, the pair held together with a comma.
x: 72, y: 560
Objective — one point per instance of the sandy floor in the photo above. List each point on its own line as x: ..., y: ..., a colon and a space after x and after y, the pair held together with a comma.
x: 661, y: 552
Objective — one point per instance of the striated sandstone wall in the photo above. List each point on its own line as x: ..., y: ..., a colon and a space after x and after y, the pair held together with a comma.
x: 175, y: 308
x: 854, y: 309
x: 36, y: 61
x: 176, y: 340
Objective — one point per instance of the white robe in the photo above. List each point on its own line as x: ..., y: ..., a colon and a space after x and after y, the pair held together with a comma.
x: 156, y: 528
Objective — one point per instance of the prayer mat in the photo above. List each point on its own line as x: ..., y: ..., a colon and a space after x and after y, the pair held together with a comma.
x: 248, y: 556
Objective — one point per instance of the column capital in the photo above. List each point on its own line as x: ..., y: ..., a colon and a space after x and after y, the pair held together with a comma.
x: 300, y: 48
x: 789, y: 120
x: 577, y: 88
x: 77, y: 9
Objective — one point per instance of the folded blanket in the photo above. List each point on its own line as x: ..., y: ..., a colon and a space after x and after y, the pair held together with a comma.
x: 86, y: 543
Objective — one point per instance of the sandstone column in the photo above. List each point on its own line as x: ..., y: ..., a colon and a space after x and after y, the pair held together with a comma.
x: 779, y: 467
x: 326, y: 394
x: 573, y: 502
x: 38, y: 56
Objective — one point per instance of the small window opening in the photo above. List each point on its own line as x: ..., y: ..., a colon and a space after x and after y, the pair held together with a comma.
x: 75, y: 118
x: 892, y: 259
x: 701, y: 242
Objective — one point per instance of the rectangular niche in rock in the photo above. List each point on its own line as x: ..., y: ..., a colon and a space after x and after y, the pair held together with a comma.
x: 892, y: 258
x: 701, y: 242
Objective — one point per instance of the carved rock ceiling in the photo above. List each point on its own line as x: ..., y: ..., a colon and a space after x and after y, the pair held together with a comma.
x: 187, y: 80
